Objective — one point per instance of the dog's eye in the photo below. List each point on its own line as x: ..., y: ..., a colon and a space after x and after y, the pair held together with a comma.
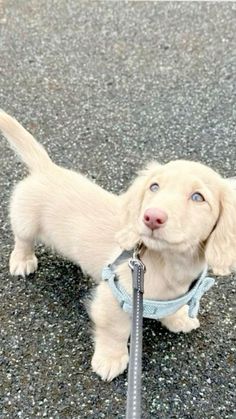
x: 197, y: 197
x: 154, y: 187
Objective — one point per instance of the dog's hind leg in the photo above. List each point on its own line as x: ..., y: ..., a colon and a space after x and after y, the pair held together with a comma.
x: 24, y: 214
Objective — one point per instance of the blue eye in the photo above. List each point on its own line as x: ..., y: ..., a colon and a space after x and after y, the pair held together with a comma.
x: 154, y: 187
x: 197, y: 197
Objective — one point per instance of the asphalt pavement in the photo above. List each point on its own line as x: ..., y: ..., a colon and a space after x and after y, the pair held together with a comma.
x: 107, y: 86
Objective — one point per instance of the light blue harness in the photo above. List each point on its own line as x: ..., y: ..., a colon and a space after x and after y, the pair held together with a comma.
x: 157, y: 309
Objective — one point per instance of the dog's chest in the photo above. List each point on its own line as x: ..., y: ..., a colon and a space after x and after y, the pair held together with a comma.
x: 162, y: 281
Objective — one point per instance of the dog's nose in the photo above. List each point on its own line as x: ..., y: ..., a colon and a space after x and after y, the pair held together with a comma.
x: 154, y: 218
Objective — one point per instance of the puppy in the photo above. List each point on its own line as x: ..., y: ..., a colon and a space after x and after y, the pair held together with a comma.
x: 183, y: 212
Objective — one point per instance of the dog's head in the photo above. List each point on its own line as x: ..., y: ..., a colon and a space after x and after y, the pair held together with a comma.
x: 181, y: 207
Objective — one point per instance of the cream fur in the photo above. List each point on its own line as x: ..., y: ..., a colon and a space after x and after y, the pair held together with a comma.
x: 90, y: 226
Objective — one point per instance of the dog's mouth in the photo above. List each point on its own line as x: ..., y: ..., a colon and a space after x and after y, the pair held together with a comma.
x: 160, y: 240
x: 165, y: 238
x: 152, y: 238
x: 164, y: 245
x: 160, y: 236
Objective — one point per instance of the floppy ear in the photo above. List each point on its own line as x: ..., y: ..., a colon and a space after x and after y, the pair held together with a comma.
x: 130, y: 205
x: 221, y: 245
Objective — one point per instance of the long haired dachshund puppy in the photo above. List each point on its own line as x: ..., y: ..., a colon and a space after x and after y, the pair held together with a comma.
x: 183, y: 212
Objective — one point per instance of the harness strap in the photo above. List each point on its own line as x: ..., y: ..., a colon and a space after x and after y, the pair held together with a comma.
x: 124, y: 256
x: 157, y: 309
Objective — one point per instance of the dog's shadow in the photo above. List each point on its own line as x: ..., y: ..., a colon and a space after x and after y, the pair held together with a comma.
x: 64, y: 288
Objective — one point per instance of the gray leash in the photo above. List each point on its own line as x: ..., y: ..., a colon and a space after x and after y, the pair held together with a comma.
x: 133, y: 407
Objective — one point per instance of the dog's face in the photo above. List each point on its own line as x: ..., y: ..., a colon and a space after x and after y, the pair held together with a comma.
x: 182, y: 207
x: 178, y: 209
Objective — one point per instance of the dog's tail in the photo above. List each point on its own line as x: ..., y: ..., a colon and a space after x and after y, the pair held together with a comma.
x: 31, y: 152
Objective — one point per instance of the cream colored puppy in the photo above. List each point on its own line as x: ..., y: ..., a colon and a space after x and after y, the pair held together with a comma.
x: 184, y: 213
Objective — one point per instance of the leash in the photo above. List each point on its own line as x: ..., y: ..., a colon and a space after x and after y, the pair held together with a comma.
x: 133, y: 407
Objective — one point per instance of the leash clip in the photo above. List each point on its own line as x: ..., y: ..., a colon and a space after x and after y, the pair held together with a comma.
x: 135, y: 260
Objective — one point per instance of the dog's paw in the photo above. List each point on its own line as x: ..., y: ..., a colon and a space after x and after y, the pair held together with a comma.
x: 109, y: 367
x: 22, y: 267
x: 222, y: 271
x: 178, y: 324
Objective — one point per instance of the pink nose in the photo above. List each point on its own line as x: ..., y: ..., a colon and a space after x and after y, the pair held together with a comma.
x: 154, y: 218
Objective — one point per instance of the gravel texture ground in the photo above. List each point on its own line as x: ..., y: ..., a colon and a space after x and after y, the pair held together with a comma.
x: 106, y: 86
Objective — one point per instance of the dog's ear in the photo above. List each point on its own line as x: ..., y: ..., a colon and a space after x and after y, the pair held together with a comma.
x: 130, y: 206
x: 221, y: 245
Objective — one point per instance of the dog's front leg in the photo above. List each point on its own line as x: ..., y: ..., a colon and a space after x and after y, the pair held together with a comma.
x: 180, y: 321
x: 112, y: 330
